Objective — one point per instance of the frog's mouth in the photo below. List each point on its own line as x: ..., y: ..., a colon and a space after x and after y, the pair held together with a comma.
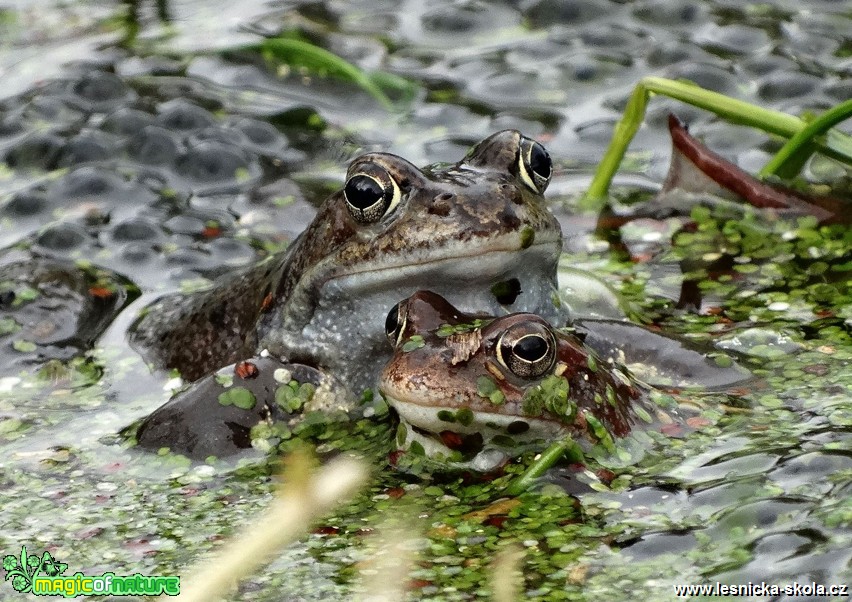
x: 461, y: 263
x: 467, y: 436
x: 473, y: 280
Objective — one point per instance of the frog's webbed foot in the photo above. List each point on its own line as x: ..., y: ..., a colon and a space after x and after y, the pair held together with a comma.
x: 216, y: 414
x: 199, y: 332
x: 52, y: 309
x: 660, y: 360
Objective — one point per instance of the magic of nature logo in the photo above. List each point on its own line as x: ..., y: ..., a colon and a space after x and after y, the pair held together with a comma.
x: 42, y: 575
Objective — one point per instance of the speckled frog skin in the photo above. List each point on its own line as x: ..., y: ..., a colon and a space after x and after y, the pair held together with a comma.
x: 391, y: 230
x: 466, y: 386
x: 477, y: 232
x: 462, y: 231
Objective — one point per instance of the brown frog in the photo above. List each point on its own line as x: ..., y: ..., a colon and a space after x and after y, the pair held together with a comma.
x: 477, y: 232
x: 466, y: 386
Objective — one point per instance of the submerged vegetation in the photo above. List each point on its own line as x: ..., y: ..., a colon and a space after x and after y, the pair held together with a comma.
x: 295, y: 53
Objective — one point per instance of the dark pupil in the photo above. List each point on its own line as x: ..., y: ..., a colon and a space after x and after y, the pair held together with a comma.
x: 363, y: 192
x: 530, y: 348
x: 392, y: 321
x: 540, y: 160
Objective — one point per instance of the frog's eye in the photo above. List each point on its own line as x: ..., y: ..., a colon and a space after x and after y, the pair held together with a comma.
x: 395, y: 323
x: 534, y: 165
x: 370, y: 194
x: 527, y: 350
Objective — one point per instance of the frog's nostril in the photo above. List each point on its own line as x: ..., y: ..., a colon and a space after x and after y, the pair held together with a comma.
x: 441, y: 204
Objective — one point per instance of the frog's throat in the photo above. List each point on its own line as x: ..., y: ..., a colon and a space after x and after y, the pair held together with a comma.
x: 488, y: 424
x: 465, y: 262
x: 433, y: 447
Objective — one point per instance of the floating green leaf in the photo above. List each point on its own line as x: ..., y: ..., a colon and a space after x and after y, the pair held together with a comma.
x: 239, y: 397
x: 299, y: 53
x: 414, y: 342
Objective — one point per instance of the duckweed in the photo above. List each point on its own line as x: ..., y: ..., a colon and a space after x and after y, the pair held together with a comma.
x: 23, y: 346
x: 464, y: 416
x: 762, y: 471
x: 551, y: 395
x: 446, y: 330
x: 8, y: 326
x: 225, y: 380
x: 239, y: 397
x: 293, y: 396
x: 414, y: 342
x: 486, y: 387
x: 446, y: 416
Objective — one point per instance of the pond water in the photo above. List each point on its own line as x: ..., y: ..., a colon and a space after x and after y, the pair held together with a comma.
x: 161, y: 151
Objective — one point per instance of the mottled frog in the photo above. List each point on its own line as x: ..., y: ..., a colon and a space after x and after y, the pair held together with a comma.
x: 477, y: 232
x: 474, y: 388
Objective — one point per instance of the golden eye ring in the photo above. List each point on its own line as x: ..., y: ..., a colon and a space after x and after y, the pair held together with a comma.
x: 395, y: 323
x: 527, y: 350
x: 534, y: 165
x: 371, y: 193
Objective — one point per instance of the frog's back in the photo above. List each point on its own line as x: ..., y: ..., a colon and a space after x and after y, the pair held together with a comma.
x: 201, y: 332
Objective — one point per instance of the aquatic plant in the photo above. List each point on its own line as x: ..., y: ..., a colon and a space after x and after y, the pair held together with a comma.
x: 805, y: 135
x: 294, y: 52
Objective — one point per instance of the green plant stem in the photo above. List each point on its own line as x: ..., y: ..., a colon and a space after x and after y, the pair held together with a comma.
x: 792, y: 156
x: 732, y: 109
x: 625, y: 129
x: 548, y: 458
x: 304, y: 54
